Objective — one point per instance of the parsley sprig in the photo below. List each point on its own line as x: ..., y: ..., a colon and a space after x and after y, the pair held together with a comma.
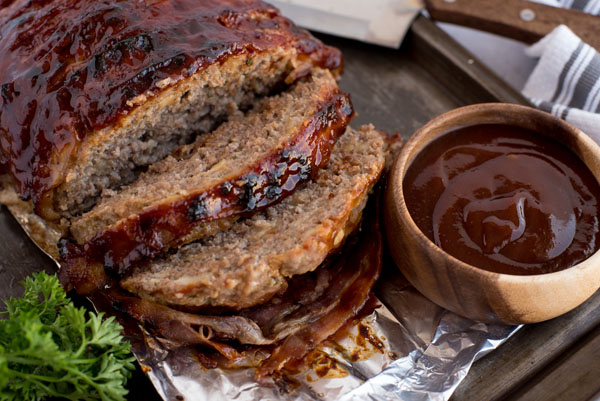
x: 48, y: 347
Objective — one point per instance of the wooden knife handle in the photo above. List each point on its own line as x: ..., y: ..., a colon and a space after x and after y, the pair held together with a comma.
x: 522, y: 20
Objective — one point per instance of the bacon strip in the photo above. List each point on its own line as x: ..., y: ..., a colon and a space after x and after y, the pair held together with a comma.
x: 368, y: 253
x: 185, y: 328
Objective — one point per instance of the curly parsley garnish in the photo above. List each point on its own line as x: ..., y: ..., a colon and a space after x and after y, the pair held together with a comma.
x: 49, y: 348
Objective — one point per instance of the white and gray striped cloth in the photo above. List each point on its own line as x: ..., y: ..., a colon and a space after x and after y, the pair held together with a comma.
x: 566, y: 80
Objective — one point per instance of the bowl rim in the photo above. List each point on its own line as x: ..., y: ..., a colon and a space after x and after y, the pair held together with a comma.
x: 402, y: 163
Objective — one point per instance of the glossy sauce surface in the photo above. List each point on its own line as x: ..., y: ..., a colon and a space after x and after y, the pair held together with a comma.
x: 505, y: 199
x: 70, y: 67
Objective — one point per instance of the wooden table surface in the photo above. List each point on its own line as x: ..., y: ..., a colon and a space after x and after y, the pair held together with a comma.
x: 398, y: 91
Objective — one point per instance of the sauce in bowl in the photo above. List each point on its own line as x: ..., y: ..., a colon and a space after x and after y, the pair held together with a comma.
x: 505, y: 199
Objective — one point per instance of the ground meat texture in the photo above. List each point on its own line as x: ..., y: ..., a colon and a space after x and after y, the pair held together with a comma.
x: 251, y: 261
x: 92, y: 90
x: 242, y: 167
x: 226, y: 160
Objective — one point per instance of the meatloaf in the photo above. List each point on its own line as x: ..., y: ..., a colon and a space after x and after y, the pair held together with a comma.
x: 190, y: 155
x: 250, y: 262
x: 93, y: 91
x: 244, y: 166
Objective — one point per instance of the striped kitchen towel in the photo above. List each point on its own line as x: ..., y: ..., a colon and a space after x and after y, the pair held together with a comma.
x: 566, y: 80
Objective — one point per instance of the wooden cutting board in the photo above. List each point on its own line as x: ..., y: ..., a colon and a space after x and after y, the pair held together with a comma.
x: 398, y: 91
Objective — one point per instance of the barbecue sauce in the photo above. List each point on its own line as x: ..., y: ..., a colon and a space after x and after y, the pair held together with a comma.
x: 505, y: 199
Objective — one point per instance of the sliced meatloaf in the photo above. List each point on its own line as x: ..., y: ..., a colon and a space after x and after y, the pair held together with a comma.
x: 250, y: 262
x: 211, y: 170
x: 243, y: 166
x: 91, y: 91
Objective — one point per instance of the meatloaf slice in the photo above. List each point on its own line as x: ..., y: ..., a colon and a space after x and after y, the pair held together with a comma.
x: 250, y: 262
x: 243, y: 166
x: 91, y: 90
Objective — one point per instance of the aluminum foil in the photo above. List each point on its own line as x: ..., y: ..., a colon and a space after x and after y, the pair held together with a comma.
x: 407, y: 349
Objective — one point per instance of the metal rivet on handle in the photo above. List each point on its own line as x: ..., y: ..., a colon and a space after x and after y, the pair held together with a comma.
x: 527, y: 14
x: 449, y: 1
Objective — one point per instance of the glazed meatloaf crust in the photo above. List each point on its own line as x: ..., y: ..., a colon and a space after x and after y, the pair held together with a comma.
x: 250, y: 262
x: 93, y: 90
x: 242, y: 167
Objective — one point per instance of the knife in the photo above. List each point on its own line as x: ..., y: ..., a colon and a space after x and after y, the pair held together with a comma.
x: 385, y: 22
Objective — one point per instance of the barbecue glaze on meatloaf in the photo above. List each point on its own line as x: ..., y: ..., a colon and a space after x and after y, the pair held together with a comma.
x: 92, y: 90
x: 250, y: 262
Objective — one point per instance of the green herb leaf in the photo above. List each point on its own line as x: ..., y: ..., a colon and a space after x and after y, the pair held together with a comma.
x: 48, y: 347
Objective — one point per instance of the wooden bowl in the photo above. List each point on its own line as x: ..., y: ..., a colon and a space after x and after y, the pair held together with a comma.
x: 463, y: 288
